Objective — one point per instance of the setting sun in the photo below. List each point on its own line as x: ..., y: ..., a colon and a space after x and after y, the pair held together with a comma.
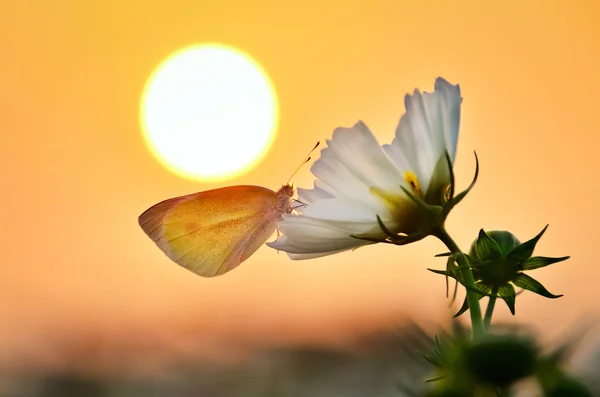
x: 209, y: 112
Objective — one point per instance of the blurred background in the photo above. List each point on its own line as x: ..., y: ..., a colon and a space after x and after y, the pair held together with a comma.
x: 86, y: 298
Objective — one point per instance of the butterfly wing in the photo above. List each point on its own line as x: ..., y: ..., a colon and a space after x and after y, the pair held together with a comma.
x: 212, y: 232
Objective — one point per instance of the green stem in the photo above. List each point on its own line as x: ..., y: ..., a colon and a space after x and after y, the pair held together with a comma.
x: 487, y: 320
x: 468, y: 279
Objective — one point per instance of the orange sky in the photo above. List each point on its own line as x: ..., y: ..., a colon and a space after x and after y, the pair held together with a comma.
x: 76, y: 173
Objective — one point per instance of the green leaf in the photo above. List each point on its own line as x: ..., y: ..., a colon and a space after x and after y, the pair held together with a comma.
x: 447, y: 273
x: 432, y: 360
x: 434, y: 379
x: 436, y: 271
x: 438, y: 349
x: 524, y: 281
x: 525, y: 250
x: 463, y: 308
x: 449, y: 264
x: 443, y: 254
x: 452, y: 203
x: 397, y: 239
x: 473, y: 262
x: 483, y: 290
x: 507, y: 293
x: 417, y: 200
x: 486, y: 247
x: 541, y: 261
x: 384, y: 229
x: 452, y: 270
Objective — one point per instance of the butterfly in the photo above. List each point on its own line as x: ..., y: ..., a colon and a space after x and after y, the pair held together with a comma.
x: 212, y: 232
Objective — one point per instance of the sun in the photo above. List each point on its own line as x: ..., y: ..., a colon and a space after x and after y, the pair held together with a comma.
x: 209, y: 112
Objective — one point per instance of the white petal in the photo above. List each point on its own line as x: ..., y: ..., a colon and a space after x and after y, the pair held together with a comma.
x: 303, y: 235
x: 354, y: 162
x: 360, y: 152
x: 416, y: 128
x: 319, y: 191
x: 340, y: 210
x: 428, y: 128
x: 396, y: 154
x: 345, y: 227
x: 450, y: 103
x: 299, y: 257
x: 343, y: 183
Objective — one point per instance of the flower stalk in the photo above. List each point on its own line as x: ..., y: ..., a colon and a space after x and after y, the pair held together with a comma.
x: 489, y: 311
x: 469, y: 282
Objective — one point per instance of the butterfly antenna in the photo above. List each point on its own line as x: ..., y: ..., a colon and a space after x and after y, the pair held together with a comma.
x: 306, y: 160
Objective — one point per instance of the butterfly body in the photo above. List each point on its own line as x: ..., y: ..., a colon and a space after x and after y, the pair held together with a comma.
x: 212, y: 232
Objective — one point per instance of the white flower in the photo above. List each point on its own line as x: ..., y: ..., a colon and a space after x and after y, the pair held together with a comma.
x: 358, y: 181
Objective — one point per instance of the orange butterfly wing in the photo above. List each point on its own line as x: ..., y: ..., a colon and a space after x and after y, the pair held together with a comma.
x: 214, y: 231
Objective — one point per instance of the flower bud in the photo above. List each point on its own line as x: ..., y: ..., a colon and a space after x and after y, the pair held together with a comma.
x: 498, y: 261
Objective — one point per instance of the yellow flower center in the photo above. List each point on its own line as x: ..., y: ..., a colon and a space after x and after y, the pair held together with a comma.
x: 413, y: 181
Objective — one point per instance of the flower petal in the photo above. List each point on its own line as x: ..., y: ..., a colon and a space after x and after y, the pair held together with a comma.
x: 299, y: 257
x: 342, y: 182
x: 361, y: 154
x: 318, y: 192
x: 336, y: 209
x: 398, y: 157
x: 429, y: 128
x: 354, y: 162
x: 450, y: 104
x: 318, y: 237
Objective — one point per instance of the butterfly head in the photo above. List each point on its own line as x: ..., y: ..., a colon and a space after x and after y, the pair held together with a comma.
x: 287, y: 190
x: 285, y: 195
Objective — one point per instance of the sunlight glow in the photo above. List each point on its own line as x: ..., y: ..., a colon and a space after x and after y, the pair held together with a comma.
x: 209, y: 112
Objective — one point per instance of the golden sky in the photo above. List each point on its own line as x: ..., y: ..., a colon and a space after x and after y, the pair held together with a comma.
x: 77, y: 269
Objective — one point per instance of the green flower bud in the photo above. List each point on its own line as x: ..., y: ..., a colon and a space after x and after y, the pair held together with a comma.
x: 501, y: 360
x: 503, y: 243
x: 495, y: 364
x: 484, y: 366
x: 498, y: 261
